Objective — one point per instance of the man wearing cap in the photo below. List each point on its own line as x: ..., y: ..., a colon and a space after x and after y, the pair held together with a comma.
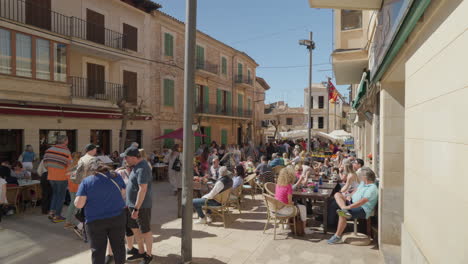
x: 139, y: 202
x: 82, y: 169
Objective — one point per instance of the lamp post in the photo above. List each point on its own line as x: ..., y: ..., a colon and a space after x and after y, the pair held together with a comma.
x: 189, y: 107
x: 310, y: 45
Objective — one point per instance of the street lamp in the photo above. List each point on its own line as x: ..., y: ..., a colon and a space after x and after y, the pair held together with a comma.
x: 310, y: 45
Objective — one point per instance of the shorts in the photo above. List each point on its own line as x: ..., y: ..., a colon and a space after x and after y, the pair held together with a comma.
x: 357, y: 213
x: 128, y: 230
x: 143, y: 222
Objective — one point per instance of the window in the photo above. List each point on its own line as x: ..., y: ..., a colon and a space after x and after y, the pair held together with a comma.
x: 42, y: 59
x: 249, y: 105
x: 289, y: 121
x: 38, y: 13
x: 60, y: 55
x: 168, y: 45
x: 223, y: 102
x: 168, y: 142
x: 321, y: 102
x: 240, y: 104
x: 311, y: 102
x: 101, y: 138
x: 95, y: 79
x: 130, y: 86
x: 312, y: 122
x: 320, y: 122
x: 202, y: 99
x: 95, y: 26
x: 131, y: 37
x: 249, y: 78
x: 200, y: 57
x: 239, y: 71
x: 5, y: 51
x: 132, y: 136
x: 224, y: 66
x: 224, y: 136
x: 351, y: 19
x: 23, y: 55
x: 168, y: 92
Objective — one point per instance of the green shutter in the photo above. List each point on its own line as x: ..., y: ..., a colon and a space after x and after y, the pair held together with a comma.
x: 249, y: 104
x: 240, y: 104
x: 168, y: 45
x: 208, y: 134
x: 219, y: 100
x: 168, y: 142
x: 248, y: 75
x: 206, y: 99
x: 224, y: 136
x: 229, y: 103
x: 239, y: 71
x: 197, y: 98
x: 200, y: 57
x: 197, y: 142
x: 223, y: 65
x: 168, y: 92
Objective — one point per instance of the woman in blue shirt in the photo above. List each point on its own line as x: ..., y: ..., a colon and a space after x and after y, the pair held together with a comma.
x: 101, y: 196
x: 27, y: 158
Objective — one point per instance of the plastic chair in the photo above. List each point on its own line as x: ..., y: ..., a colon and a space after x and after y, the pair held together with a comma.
x: 223, y: 208
x: 273, y: 208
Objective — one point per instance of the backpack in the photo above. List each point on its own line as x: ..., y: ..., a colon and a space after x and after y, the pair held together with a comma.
x: 177, y: 166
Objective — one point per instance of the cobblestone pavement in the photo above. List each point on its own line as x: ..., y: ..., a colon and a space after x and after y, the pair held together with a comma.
x: 30, y: 238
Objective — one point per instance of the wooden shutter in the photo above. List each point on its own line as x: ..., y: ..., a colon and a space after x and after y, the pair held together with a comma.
x: 219, y: 101
x: 168, y: 45
x: 206, y: 99
x: 200, y: 57
x: 208, y: 134
x: 198, y: 102
x: 38, y: 13
x: 95, y: 26
x: 168, y: 142
x: 223, y: 65
x: 239, y: 71
x: 168, y: 92
x: 240, y: 104
x: 130, y: 86
x: 229, y: 103
x: 95, y: 74
x: 224, y: 136
x: 131, y: 37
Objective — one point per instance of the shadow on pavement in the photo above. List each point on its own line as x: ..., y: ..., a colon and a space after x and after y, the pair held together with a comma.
x: 176, y: 259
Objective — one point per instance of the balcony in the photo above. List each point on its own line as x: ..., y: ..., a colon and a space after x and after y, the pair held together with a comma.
x: 222, y: 111
x: 207, y: 67
x: 95, y: 89
x: 242, y: 80
x: 349, y: 64
x: 347, y: 4
x: 33, y: 14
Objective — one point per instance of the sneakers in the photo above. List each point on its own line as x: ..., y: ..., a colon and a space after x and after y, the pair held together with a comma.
x: 58, y: 219
x: 147, y: 259
x: 136, y: 257
x: 209, y: 219
x: 51, y: 216
x: 201, y: 221
x: 78, y: 232
x: 132, y: 251
x: 109, y: 259
x: 334, y: 240
x: 343, y: 213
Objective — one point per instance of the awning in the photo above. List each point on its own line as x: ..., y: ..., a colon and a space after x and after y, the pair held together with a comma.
x: 361, y: 90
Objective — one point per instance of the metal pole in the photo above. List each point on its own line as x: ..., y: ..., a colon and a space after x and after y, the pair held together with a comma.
x: 309, y: 96
x: 188, y: 151
x: 328, y: 108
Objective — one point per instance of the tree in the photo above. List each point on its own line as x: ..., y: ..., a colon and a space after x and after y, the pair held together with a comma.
x: 276, y: 123
x: 128, y: 113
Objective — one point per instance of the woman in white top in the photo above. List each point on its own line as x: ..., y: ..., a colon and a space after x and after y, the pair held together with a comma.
x: 351, y: 183
x: 175, y: 177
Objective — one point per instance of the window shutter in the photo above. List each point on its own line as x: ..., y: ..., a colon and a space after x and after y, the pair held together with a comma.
x: 197, y: 98
x: 239, y: 71
x: 229, y: 103
x: 168, y: 45
x: 168, y: 142
x: 130, y: 86
x: 200, y: 57
x: 208, y: 134
x: 219, y: 100
x: 131, y: 37
x: 168, y: 92
x: 206, y: 99
x: 240, y: 104
x: 224, y: 136
x: 224, y: 65
x: 197, y: 142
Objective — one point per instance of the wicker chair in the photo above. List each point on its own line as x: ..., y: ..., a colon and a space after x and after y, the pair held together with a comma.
x: 265, y: 177
x: 277, y: 169
x: 221, y: 210
x: 13, y: 195
x: 251, y: 184
x: 235, y: 198
x: 270, y: 188
x: 273, y: 206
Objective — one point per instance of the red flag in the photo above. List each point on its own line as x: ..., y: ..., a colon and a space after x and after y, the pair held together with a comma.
x: 332, y: 92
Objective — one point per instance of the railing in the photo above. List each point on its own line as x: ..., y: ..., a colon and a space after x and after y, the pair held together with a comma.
x: 243, y: 79
x: 95, y: 89
x: 214, y: 109
x: 36, y: 15
x: 207, y: 66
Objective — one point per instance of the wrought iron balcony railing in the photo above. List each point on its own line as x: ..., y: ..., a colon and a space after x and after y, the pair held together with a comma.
x: 95, y: 89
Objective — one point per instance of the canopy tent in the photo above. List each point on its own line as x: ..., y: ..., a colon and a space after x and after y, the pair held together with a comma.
x: 178, y: 134
x: 295, y: 134
x: 340, y: 134
x: 325, y: 136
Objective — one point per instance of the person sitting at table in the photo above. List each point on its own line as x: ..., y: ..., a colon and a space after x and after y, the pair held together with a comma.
x: 298, y: 169
x: 213, y: 172
x: 19, y: 172
x: 263, y: 166
x: 286, y: 160
x: 283, y: 192
x: 239, y: 175
x: 212, y: 156
x: 357, y: 165
x: 249, y: 165
x: 223, y: 183
x: 362, y: 204
x: 5, y: 172
x: 307, y: 171
x: 115, y: 157
x: 351, y: 185
x: 297, y: 156
x: 276, y: 160
x: 204, y: 160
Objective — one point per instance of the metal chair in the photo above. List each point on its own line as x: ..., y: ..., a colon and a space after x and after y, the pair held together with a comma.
x: 270, y: 188
x: 273, y: 208
x: 223, y: 208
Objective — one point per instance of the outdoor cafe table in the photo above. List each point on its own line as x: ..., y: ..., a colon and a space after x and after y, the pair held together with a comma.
x: 160, y: 171
x: 25, y: 186
x: 199, y: 189
x: 323, y: 195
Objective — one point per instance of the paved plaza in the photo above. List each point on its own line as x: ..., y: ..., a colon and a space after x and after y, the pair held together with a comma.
x: 31, y: 238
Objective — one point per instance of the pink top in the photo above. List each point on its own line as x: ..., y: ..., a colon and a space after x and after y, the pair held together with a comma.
x: 282, y: 192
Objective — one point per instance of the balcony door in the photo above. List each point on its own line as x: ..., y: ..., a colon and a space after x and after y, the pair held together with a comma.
x: 95, y: 26
x: 38, y: 13
x: 95, y: 79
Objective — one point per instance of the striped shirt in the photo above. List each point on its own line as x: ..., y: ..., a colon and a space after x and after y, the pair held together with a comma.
x: 57, y: 160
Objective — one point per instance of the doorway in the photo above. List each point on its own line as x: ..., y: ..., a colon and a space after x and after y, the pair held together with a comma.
x: 239, y: 135
x: 101, y: 138
x: 11, y: 141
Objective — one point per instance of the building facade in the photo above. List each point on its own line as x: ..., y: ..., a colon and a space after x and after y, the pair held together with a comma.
x: 412, y: 53
x: 64, y: 67
x: 261, y: 86
x: 279, y: 117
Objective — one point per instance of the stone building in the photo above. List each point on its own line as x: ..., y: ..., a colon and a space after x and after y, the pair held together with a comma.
x: 261, y: 86
x: 280, y: 117
x: 405, y: 62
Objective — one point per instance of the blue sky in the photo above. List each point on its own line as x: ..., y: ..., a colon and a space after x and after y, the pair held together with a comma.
x: 269, y: 31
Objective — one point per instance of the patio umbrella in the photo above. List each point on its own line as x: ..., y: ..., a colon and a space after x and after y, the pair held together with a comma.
x: 178, y: 134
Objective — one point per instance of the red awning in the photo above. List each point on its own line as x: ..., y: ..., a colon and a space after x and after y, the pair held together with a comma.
x: 178, y: 134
